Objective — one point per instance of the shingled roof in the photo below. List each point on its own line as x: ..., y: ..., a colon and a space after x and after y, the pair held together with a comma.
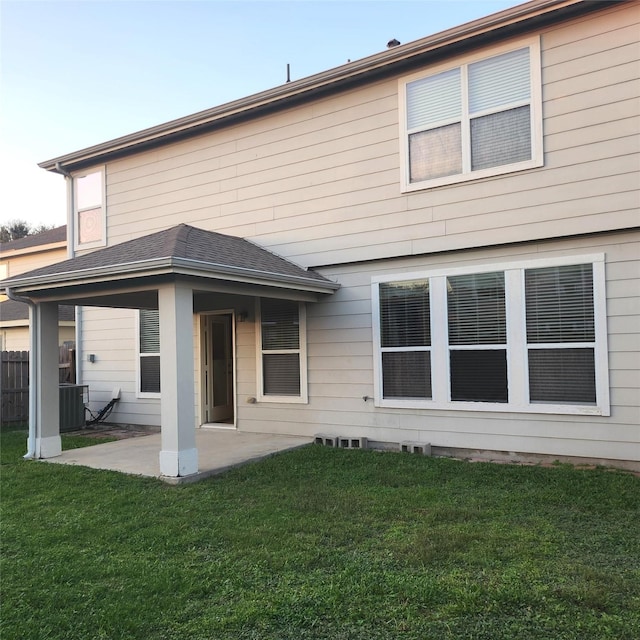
x: 50, y: 236
x: 179, y: 246
x: 12, y: 310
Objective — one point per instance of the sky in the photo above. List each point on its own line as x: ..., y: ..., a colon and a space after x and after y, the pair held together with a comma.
x: 78, y: 73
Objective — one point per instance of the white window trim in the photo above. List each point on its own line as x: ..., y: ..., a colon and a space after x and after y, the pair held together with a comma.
x: 516, y: 347
x: 537, y: 151
x: 76, y: 222
x: 141, y: 394
x: 303, y: 398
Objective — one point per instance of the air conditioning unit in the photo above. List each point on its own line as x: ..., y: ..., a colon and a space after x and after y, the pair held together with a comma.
x: 73, y: 398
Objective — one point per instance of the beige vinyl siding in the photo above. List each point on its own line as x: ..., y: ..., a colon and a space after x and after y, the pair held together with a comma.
x: 109, y: 334
x: 17, y: 338
x: 34, y: 259
x: 320, y: 184
x: 340, y: 362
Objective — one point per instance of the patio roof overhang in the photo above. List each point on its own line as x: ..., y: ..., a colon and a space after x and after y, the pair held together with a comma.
x: 209, y: 261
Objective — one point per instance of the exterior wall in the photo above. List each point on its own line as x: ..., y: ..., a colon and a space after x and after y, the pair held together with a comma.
x: 34, y: 259
x: 320, y: 183
x: 340, y: 357
x: 340, y: 365
x: 15, y: 334
x: 17, y: 338
x: 109, y: 334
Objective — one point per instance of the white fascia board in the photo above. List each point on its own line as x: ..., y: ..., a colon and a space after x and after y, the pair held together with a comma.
x: 166, y: 266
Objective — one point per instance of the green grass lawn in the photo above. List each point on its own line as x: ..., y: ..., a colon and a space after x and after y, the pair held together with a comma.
x: 320, y: 543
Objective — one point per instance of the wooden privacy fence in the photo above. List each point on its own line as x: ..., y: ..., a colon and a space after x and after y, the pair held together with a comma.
x: 14, y: 381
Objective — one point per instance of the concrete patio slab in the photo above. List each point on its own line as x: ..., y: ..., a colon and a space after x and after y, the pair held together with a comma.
x: 218, y: 451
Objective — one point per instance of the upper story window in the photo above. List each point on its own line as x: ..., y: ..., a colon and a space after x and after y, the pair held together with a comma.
x: 89, y: 216
x: 525, y: 337
x: 474, y: 120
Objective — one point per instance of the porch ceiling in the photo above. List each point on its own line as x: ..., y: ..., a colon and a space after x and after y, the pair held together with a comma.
x: 128, y: 274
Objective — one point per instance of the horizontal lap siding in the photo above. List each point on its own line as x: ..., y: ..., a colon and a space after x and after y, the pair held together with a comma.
x: 109, y: 334
x: 320, y: 183
x: 340, y: 359
x: 26, y: 262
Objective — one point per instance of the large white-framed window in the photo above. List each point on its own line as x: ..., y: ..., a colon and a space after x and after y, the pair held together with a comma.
x: 520, y: 336
x: 281, y: 339
x: 478, y: 118
x: 90, y: 224
x: 148, y: 353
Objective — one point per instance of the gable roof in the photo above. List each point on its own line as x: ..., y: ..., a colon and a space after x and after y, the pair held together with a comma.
x: 50, y: 236
x: 400, y: 59
x: 180, y: 250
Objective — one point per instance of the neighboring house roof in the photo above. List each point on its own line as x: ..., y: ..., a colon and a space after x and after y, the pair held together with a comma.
x: 50, y: 236
x: 180, y: 250
x: 400, y: 59
x: 11, y: 310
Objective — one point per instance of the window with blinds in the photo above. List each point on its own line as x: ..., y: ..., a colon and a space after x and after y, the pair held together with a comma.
x: 561, y: 334
x: 477, y: 119
x: 405, y: 339
x: 280, y: 348
x: 529, y: 338
x: 148, y: 351
x: 477, y: 337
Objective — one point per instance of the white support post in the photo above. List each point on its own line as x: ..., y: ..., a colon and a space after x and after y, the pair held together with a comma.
x: 47, y: 400
x: 179, y: 455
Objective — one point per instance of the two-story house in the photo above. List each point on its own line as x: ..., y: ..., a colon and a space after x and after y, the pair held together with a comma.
x: 439, y: 243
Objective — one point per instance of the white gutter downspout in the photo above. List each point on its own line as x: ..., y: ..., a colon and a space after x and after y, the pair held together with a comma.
x: 33, y: 379
x: 71, y: 253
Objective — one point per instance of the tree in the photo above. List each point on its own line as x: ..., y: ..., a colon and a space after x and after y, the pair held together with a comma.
x: 16, y: 229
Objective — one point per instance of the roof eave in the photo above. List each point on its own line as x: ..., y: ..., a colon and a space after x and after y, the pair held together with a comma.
x: 283, y: 95
x: 162, y: 267
x: 37, y: 248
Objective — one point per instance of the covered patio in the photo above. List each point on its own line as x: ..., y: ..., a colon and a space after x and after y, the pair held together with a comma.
x: 178, y: 272
x: 218, y: 451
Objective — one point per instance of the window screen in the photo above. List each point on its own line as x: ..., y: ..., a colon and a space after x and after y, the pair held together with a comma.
x: 405, y: 328
x: 560, y: 314
x: 475, y: 117
x: 280, y: 335
x: 149, y: 350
